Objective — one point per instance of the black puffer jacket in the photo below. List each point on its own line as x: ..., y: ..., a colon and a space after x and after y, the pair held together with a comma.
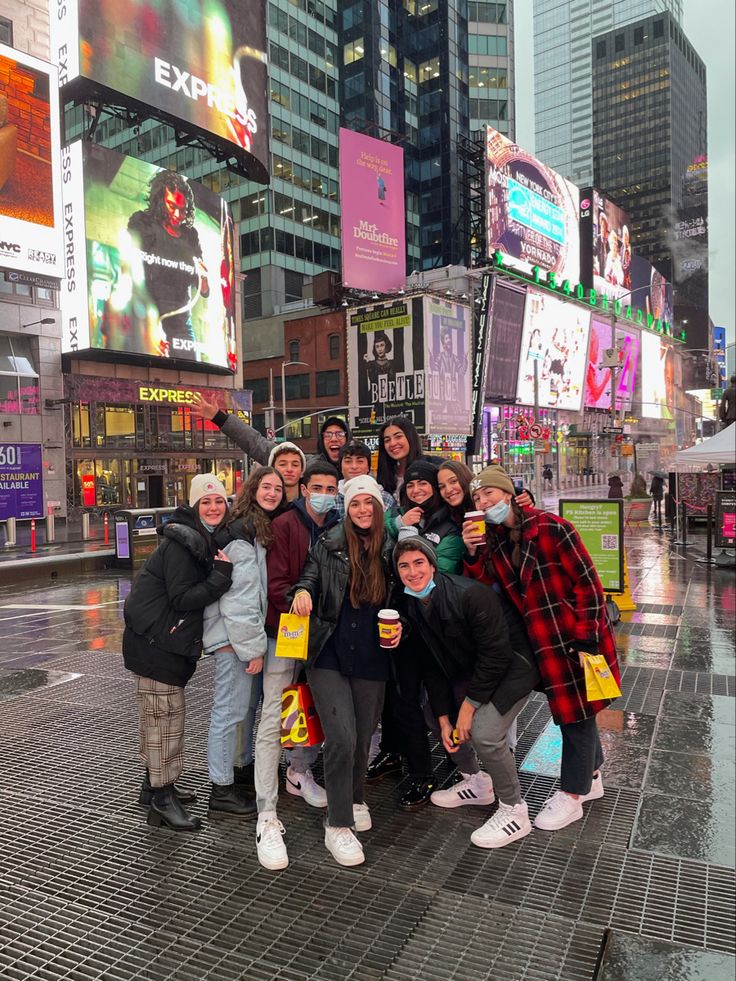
x: 325, y: 576
x: 465, y: 635
x: 164, y: 611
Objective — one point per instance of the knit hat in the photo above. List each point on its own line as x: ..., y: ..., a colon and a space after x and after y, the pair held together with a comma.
x: 286, y: 448
x: 364, y: 484
x: 418, y: 544
x: 204, y: 484
x: 421, y: 470
x: 493, y: 477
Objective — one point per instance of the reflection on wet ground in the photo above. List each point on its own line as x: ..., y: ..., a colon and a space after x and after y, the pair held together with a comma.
x: 642, y: 887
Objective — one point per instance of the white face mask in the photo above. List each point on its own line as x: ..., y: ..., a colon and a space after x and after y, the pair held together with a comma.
x: 497, y: 514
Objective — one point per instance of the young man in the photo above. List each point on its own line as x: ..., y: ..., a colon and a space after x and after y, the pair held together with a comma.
x: 355, y: 461
x: 290, y: 462
x: 477, y: 682
x: 295, y: 532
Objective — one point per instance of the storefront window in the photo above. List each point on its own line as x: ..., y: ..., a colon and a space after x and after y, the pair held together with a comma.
x: 85, y: 489
x: 116, y: 425
x: 19, y: 389
x: 171, y: 428
x: 80, y: 424
x: 108, y: 482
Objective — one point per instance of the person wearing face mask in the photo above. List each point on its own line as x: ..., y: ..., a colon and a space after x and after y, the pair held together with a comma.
x: 294, y: 533
x: 162, y: 640
x: 453, y: 482
x: 234, y: 633
x: 540, y: 563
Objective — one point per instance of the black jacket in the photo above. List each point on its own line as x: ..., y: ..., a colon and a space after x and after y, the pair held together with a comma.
x: 465, y: 635
x: 325, y: 576
x: 164, y: 611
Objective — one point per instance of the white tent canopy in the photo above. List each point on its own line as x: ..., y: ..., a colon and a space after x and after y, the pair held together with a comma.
x: 720, y: 448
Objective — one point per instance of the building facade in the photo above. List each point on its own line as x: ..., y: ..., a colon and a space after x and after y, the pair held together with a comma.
x: 491, y: 68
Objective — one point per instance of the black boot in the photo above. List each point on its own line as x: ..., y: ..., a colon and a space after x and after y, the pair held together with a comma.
x: 244, y: 776
x: 417, y: 795
x: 225, y: 799
x: 166, y: 809
x: 382, y: 765
x: 146, y: 795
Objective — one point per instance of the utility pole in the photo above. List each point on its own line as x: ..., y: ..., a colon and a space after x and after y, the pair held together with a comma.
x: 270, y: 412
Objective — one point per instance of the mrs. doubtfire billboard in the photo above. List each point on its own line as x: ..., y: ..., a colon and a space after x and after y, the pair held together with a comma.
x: 149, y: 262
x: 198, y: 62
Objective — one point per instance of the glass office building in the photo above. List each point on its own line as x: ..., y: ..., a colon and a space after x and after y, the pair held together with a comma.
x: 491, y: 67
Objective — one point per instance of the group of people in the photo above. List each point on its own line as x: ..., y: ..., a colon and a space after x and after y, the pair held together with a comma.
x: 489, y: 610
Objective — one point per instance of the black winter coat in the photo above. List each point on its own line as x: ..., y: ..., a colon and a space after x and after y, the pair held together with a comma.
x: 164, y: 611
x: 466, y: 637
x: 325, y: 577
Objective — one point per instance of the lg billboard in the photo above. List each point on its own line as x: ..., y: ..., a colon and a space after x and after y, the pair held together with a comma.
x: 201, y: 63
x: 149, y: 262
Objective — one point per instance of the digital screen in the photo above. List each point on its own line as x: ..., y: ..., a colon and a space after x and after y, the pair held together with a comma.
x: 650, y: 290
x: 598, y: 375
x: 532, y: 210
x: 201, y: 62
x: 555, y: 336
x: 502, y: 367
x: 373, y: 212
x: 21, y: 481
x: 30, y: 175
x: 150, y: 267
x: 448, y: 341
x: 657, y: 377
x: 606, y: 250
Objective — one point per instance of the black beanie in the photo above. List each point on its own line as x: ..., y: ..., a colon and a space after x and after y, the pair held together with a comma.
x: 335, y: 421
x: 421, y: 470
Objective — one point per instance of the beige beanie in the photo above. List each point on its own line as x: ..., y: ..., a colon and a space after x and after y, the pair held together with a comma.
x: 204, y: 484
x: 493, y: 477
x: 364, y: 484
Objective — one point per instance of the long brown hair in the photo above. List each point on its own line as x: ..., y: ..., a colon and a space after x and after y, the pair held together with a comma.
x: 256, y: 521
x: 367, y: 575
x: 464, y: 474
x: 515, y: 534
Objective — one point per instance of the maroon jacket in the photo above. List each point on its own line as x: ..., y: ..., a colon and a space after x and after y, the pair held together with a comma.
x: 559, y: 595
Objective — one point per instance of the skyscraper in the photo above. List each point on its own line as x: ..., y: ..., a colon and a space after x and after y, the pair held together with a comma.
x: 562, y: 67
x: 491, y: 68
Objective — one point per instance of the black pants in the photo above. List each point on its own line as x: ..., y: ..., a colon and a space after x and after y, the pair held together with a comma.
x: 403, y: 727
x: 582, y: 755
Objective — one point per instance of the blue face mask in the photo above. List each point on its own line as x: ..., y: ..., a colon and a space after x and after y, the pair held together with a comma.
x: 422, y: 594
x: 498, y: 513
x: 322, y: 503
x: 210, y: 528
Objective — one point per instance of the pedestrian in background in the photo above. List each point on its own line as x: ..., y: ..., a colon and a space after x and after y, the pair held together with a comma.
x: 727, y: 405
x: 615, y: 487
x: 656, y: 489
x: 162, y: 641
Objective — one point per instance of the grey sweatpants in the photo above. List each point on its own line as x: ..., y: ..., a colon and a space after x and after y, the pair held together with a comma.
x: 488, y: 735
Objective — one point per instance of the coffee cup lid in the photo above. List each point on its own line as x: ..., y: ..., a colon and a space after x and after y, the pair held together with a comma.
x: 474, y: 514
x: 389, y: 614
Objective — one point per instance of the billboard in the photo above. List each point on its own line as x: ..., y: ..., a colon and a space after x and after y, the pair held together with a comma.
x: 651, y: 291
x: 149, y: 262
x: 532, y: 212
x: 719, y: 353
x: 600, y: 524
x: 373, y: 213
x: 555, y: 336
x: 385, y: 346
x: 605, y: 246
x: 657, y: 377
x: 502, y: 366
x: 30, y: 175
x: 21, y: 481
x: 448, y: 381
x: 201, y: 63
x: 598, y: 377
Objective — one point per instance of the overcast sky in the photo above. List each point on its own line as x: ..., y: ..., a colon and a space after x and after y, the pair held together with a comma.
x: 711, y: 29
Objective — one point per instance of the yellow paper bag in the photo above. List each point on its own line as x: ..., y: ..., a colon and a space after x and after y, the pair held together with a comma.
x: 600, y: 684
x: 292, y: 638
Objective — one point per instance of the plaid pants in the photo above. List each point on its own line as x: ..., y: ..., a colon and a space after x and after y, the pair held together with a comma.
x: 161, y: 712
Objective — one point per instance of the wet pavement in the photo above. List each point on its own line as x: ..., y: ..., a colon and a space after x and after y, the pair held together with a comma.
x: 642, y: 888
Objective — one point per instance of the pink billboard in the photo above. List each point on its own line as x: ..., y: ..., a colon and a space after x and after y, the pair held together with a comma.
x: 598, y: 377
x: 373, y: 213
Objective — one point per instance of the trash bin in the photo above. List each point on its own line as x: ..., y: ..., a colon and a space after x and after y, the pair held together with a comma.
x: 135, y: 534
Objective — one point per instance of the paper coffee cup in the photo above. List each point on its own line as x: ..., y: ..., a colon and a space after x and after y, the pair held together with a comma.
x: 388, y: 627
x: 479, y: 520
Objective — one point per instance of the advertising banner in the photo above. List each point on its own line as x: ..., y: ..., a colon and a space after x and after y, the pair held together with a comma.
x: 201, y: 63
x: 555, y: 336
x: 373, y: 213
x: 480, y: 358
x: 719, y: 353
x: 21, y: 483
x: 448, y: 342
x: 149, y: 262
x: 505, y: 342
x: 598, y: 376
x: 650, y: 290
x: 30, y: 175
x: 657, y: 377
x: 605, y: 246
x: 532, y: 210
x: 725, y: 536
x: 600, y: 524
x: 385, y: 345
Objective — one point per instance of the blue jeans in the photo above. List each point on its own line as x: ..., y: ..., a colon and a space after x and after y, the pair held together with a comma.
x: 234, y: 704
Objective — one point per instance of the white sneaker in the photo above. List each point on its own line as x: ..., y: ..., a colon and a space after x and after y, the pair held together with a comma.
x: 362, y: 817
x: 304, y: 785
x: 270, y: 845
x: 509, y: 823
x: 344, y: 847
x: 558, y: 811
x: 474, y: 788
x: 596, y: 789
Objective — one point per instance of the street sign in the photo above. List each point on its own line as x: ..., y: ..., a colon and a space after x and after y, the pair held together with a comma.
x: 613, y: 430
x: 271, y: 434
x: 535, y: 430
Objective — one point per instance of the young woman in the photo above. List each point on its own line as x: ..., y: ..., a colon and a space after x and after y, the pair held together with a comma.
x: 398, y: 446
x: 162, y: 641
x: 541, y: 564
x: 346, y: 581
x: 234, y: 631
x: 423, y: 512
x: 453, y: 482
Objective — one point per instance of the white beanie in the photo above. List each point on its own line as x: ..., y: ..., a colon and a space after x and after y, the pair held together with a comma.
x: 204, y: 484
x: 286, y: 448
x: 364, y: 484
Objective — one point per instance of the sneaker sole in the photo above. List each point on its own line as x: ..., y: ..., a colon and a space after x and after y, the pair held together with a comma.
x: 559, y: 827
x: 593, y: 796
x: 516, y: 836
x: 298, y: 792
x: 460, y: 802
x: 273, y: 865
x: 364, y: 825
x: 347, y: 863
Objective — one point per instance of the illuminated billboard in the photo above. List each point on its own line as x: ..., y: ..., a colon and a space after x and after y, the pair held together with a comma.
x: 30, y: 176
x: 555, y: 337
x: 502, y: 366
x: 149, y: 262
x: 373, y: 213
x: 201, y: 63
x: 657, y: 377
x: 605, y: 246
x: 448, y: 382
x: 532, y: 214
x: 598, y: 375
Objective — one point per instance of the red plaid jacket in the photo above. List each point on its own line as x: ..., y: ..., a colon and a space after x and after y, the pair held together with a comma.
x: 559, y: 595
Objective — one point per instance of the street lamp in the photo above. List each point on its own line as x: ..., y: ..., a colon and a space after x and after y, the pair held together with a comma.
x: 35, y: 323
x: 270, y: 412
